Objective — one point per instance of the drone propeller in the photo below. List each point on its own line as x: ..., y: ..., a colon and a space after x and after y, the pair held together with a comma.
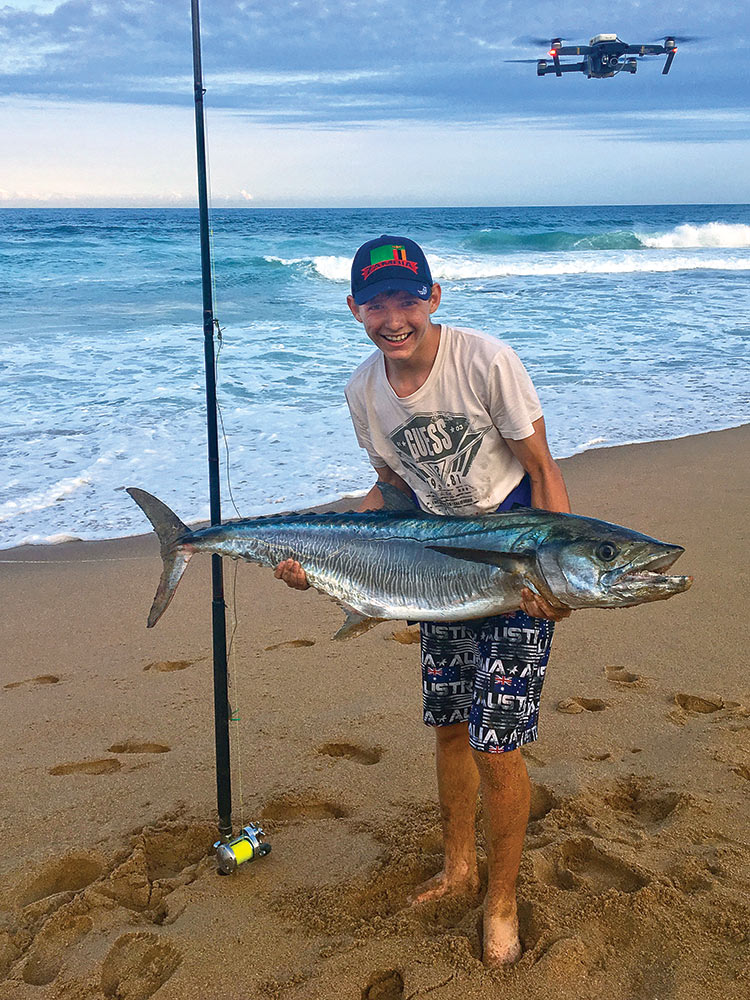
x: 682, y: 39
x: 537, y: 40
x: 521, y: 60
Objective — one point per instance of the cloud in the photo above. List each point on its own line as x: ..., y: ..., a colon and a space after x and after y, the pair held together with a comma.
x: 330, y: 76
x: 354, y: 61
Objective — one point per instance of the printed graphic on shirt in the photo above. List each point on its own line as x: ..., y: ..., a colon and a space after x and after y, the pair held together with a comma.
x: 440, y: 448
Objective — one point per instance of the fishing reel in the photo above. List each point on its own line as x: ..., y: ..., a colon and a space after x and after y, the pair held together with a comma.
x: 247, y: 846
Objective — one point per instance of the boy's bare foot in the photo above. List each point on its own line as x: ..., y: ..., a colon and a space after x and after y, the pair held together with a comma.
x: 440, y: 885
x: 502, y: 945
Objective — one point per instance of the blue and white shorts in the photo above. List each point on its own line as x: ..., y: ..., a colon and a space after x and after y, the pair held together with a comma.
x: 487, y: 672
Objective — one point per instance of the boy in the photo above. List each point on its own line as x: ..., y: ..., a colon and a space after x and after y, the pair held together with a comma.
x: 451, y: 418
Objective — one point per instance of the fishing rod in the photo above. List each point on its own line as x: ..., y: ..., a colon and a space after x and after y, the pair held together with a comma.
x: 230, y: 851
x: 218, y: 607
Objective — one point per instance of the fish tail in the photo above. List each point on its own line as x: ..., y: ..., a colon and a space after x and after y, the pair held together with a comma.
x: 174, y: 553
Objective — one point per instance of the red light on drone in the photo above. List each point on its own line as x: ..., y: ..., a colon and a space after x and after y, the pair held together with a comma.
x: 553, y: 52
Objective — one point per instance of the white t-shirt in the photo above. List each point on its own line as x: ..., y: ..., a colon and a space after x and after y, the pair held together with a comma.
x: 446, y: 439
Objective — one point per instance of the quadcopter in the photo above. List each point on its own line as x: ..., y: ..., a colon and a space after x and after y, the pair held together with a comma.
x: 604, y: 56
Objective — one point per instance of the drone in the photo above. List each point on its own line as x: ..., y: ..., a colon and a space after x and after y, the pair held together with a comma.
x: 604, y: 56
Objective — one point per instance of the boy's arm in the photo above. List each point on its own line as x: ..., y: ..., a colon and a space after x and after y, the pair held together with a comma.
x: 547, y: 487
x: 290, y: 570
x: 548, y: 492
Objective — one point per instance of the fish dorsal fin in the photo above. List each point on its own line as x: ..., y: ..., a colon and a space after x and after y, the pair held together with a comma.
x: 509, y: 562
x: 521, y: 506
x: 356, y: 624
x: 394, y: 498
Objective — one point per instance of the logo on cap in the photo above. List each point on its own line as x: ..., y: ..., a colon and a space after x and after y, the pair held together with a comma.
x: 389, y: 255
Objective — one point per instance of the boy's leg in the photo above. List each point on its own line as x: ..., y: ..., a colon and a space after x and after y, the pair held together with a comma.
x: 458, y: 784
x: 448, y: 667
x: 506, y: 797
x: 512, y: 656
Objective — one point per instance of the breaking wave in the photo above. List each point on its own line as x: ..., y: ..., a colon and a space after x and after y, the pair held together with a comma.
x: 495, y: 253
x: 712, y: 234
x: 467, y: 269
x: 683, y: 237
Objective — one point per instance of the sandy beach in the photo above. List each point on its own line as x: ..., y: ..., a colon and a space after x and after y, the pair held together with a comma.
x: 635, y: 880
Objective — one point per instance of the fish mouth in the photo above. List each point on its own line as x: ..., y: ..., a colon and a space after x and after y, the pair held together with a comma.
x: 646, y: 576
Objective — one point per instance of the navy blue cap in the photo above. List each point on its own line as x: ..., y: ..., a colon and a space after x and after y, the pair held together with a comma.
x: 390, y: 264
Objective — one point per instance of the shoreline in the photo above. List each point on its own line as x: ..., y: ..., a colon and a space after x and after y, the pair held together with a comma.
x: 68, y: 545
x: 636, y: 868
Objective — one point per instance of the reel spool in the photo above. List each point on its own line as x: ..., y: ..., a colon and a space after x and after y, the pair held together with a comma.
x: 247, y: 846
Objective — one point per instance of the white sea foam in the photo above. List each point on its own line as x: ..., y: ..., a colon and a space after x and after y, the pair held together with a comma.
x: 611, y: 262
x: 44, y: 498
x: 56, y: 539
x: 711, y: 234
x: 592, y: 442
x: 333, y: 268
x: 456, y: 269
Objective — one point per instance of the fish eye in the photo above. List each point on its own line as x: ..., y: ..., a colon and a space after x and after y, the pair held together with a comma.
x: 607, y: 551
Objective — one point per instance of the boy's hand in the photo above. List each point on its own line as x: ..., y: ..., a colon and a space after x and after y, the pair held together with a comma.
x: 536, y: 606
x: 292, y: 574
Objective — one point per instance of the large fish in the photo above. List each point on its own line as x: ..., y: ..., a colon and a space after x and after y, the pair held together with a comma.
x: 391, y: 564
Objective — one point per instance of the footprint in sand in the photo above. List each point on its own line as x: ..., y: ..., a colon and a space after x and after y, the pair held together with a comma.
x: 36, y: 681
x: 291, y: 644
x: 70, y: 873
x: 106, y: 765
x: 291, y: 807
x: 636, y: 801
x: 137, y: 965
x: 572, y: 706
x: 622, y: 677
x: 351, y: 751
x: 166, y: 666
x: 697, y: 705
x: 580, y: 864
x: 385, y: 984
x: 138, y: 746
x: 46, y: 955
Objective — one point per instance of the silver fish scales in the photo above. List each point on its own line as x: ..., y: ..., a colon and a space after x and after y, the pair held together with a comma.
x: 384, y: 565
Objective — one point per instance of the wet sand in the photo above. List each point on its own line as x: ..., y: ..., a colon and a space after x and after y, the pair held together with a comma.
x: 635, y: 878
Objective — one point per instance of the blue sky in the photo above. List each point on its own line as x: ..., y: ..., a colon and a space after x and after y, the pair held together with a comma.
x: 356, y: 103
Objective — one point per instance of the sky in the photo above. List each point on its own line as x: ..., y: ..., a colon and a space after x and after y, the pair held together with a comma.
x: 351, y: 103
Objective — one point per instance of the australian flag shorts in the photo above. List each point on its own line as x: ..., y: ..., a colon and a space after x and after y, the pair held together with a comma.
x: 489, y: 673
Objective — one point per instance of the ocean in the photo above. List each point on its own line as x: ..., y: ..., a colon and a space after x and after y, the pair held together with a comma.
x: 634, y: 323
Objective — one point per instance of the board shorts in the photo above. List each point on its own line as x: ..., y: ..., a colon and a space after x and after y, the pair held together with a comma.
x: 487, y: 672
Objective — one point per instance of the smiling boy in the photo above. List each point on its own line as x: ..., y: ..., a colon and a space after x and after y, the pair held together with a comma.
x: 449, y: 416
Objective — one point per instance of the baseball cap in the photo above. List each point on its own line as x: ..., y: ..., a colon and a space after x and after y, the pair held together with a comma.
x: 390, y: 264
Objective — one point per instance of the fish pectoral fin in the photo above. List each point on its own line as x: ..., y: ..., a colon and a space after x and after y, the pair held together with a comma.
x: 510, y: 562
x: 356, y: 624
